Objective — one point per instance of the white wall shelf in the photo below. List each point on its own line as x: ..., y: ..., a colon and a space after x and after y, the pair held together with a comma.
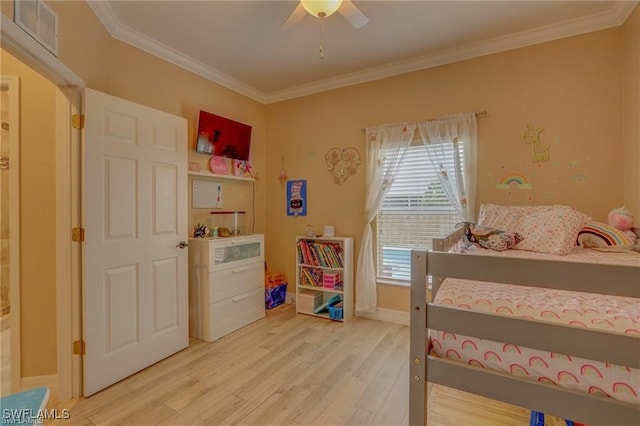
x: 210, y: 175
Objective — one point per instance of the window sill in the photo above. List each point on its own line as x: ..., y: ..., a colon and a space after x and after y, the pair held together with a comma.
x: 397, y: 283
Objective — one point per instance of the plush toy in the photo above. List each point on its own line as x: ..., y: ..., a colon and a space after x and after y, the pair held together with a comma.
x: 622, y: 219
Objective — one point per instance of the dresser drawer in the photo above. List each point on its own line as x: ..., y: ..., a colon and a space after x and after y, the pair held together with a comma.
x: 232, y: 252
x: 235, y: 312
x: 236, y: 280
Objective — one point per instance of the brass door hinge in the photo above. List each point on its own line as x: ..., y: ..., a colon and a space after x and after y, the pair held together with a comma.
x: 79, y: 347
x: 77, y: 121
x: 77, y: 234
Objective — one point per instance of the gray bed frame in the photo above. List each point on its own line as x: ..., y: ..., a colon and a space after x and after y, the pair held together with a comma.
x: 615, y: 348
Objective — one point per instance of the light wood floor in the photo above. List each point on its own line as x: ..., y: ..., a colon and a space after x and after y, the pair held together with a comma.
x: 287, y: 369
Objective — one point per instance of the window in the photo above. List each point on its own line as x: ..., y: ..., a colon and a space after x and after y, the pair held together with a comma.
x: 415, y: 210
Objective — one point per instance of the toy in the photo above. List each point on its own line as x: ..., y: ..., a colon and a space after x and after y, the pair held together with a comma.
x: 200, y: 230
x: 621, y: 218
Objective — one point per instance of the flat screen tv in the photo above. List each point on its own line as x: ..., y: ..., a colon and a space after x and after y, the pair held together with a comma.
x: 223, y: 137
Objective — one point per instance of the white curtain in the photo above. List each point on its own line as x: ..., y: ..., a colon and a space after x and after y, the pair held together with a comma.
x: 381, y: 170
x: 442, y: 138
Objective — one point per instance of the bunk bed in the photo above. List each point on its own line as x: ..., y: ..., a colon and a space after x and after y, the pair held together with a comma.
x: 542, y: 394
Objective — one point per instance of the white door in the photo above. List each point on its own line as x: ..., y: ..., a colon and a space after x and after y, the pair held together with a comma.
x: 135, y: 289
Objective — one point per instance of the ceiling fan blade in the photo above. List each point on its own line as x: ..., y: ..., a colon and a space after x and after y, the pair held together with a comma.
x: 352, y: 14
x: 295, y: 17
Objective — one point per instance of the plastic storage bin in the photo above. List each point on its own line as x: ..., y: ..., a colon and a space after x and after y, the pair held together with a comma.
x: 335, y: 311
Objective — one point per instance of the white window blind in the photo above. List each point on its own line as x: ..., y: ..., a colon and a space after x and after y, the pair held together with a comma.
x: 414, y: 211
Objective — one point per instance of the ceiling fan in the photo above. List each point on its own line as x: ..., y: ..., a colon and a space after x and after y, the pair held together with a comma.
x: 324, y: 8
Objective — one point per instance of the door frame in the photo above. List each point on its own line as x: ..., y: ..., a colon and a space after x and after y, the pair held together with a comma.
x: 68, y: 195
x: 12, y: 83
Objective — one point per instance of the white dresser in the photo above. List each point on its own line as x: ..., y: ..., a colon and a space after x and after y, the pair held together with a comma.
x: 226, y: 284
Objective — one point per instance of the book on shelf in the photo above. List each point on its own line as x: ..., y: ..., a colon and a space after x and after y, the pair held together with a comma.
x: 312, y: 277
x: 317, y: 253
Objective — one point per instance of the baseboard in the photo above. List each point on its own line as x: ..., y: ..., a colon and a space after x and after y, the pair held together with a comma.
x: 50, y: 381
x: 387, y: 315
x: 381, y: 314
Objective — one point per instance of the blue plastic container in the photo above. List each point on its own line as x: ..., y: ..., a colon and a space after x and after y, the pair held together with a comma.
x: 335, y: 313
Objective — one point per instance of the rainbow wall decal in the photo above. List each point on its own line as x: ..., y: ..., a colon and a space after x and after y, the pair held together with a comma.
x: 514, y: 179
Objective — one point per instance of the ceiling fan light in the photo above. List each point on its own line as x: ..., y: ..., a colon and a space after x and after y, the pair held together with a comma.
x: 321, y: 8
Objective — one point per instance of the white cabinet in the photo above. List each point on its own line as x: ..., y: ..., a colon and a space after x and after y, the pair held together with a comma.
x: 324, y: 270
x: 226, y: 284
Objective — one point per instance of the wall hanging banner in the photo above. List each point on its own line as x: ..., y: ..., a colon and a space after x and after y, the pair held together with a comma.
x: 296, y: 198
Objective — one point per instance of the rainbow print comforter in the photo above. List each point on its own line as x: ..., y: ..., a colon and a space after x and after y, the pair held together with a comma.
x: 611, y: 313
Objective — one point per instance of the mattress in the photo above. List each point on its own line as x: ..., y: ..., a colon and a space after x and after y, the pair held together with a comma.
x: 602, y: 312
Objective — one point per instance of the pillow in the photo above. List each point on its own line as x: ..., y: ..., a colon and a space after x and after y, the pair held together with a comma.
x: 601, y: 236
x: 507, y: 217
x: 544, y: 229
x: 490, y: 238
x: 553, y: 231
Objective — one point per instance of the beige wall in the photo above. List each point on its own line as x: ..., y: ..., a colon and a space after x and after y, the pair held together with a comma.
x: 38, y: 220
x: 571, y: 88
x: 631, y: 117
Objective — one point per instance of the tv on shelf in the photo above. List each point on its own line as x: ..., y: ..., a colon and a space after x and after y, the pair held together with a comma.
x: 223, y: 137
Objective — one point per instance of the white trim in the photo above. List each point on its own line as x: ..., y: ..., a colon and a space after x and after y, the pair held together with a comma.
x: 387, y: 315
x: 77, y: 176
x: 67, y: 264
x: 599, y: 21
x: 215, y: 176
x: 12, y: 83
x: 49, y: 381
x: 290, y: 298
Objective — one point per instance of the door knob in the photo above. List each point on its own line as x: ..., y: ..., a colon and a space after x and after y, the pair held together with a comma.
x: 182, y: 245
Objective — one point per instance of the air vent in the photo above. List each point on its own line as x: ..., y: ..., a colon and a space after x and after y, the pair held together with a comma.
x: 39, y: 21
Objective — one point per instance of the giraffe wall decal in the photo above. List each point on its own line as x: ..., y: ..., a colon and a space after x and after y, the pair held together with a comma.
x: 539, y: 151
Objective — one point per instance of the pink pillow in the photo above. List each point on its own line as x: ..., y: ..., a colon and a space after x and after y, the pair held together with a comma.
x: 545, y: 229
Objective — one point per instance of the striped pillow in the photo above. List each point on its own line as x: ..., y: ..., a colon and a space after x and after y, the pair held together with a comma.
x: 601, y: 236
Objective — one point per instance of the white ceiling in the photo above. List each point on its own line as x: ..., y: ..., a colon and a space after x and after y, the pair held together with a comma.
x: 242, y: 45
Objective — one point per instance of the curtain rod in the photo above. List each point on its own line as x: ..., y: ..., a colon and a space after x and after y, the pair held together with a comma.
x: 433, y: 119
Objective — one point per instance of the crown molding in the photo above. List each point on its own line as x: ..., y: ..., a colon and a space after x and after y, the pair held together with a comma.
x: 127, y: 35
x: 616, y: 16
x: 612, y: 18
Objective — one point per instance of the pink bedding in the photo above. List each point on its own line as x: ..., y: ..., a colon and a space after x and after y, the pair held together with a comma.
x: 611, y: 313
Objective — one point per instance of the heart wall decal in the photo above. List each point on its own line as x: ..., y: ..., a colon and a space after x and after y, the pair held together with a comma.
x: 342, y: 163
